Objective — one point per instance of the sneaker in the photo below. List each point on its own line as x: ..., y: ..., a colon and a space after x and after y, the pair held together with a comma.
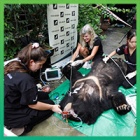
x: 17, y: 131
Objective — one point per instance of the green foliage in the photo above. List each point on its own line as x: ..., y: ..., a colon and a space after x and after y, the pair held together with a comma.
x: 91, y: 15
x: 10, y: 52
x: 131, y: 14
x: 20, y: 21
x: 113, y: 9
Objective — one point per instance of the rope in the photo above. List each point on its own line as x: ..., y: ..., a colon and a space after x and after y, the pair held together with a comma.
x: 115, y: 16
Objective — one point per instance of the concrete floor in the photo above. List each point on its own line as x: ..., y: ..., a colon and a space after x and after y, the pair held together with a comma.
x: 54, y: 127
x: 50, y: 127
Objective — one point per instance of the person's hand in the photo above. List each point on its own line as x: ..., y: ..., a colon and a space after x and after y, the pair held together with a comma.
x: 75, y: 63
x: 105, y: 59
x: 56, y: 109
x: 87, y: 65
x: 46, y: 88
x: 69, y: 62
x: 131, y: 75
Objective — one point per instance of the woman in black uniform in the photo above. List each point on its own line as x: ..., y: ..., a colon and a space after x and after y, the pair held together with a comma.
x: 89, y: 48
x: 24, y: 106
x: 129, y: 51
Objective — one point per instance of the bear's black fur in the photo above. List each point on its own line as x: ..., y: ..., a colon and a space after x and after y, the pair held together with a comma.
x: 97, y: 92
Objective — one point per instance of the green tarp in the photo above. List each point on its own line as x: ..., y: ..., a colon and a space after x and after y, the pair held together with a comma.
x: 108, y: 124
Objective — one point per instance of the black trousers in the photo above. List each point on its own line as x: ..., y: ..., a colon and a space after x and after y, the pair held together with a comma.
x: 129, y: 84
x: 41, y: 115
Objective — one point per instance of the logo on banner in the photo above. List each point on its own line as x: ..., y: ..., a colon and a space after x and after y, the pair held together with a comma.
x: 73, y: 13
x: 56, y: 36
x: 72, y: 38
x: 67, y: 44
x: 62, y: 41
x: 62, y: 51
x: 67, y: 6
x: 56, y: 49
x: 62, y: 24
x: 54, y: 6
x: 62, y: 28
x: 73, y: 26
x: 67, y: 20
x: 61, y: 14
x: 55, y: 22
x: 67, y: 33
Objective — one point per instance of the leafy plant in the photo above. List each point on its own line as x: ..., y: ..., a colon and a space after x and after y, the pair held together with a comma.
x: 23, y: 23
x: 89, y: 14
x: 131, y: 14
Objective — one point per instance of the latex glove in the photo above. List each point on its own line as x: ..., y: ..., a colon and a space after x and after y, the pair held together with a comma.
x: 69, y: 62
x: 39, y: 86
x: 131, y: 75
x: 87, y: 65
x: 75, y: 63
x: 105, y: 59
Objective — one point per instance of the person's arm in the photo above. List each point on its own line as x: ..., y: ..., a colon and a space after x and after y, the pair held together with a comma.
x: 76, y: 52
x: 44, y: 106
x: 93, y: 53
x: 90, y: 57
x: 105, y: 59
x: 111, y: 54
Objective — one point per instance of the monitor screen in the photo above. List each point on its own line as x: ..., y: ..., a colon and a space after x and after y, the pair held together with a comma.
x: 52, y: 74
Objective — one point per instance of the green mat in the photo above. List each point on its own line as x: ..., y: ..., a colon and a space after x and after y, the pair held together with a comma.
x: 108, y: 124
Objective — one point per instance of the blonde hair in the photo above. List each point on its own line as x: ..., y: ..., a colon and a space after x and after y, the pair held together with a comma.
x: 87, y: 29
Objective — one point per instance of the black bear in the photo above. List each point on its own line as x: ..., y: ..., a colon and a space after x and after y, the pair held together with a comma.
x: 95, y: 93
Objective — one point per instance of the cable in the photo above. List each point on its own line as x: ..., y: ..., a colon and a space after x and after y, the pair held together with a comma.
x: 42, y: 73
x: 129, y: 63
x: 123, y: 74
x: 54, y: 122
x: 71, y: 69
x: 49, y: 82
x: 70, y: 81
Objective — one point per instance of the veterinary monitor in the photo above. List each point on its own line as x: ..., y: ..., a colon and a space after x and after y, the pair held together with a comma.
x: 52, y: 74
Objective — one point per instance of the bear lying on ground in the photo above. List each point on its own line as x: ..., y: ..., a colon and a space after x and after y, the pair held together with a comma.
x: 95, y: 93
